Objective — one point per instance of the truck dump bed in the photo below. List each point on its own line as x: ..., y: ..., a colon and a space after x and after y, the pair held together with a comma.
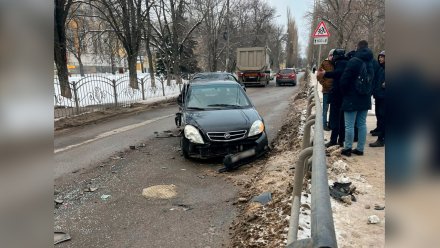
x: 252, y: 59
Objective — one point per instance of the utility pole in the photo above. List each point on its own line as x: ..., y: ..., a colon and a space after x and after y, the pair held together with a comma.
x: 227, y: 38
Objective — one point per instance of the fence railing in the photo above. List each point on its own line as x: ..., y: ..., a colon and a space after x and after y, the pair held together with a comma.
x: 96, y: 92
x: 312, y: 157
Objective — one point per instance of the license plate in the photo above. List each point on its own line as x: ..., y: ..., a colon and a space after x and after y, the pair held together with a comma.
x: 251, y: 75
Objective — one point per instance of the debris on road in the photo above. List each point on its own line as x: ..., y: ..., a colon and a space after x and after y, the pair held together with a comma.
x: 339, y: 167
x: 167, y: 134
x: 160, y: 191
x: 263, y: 198
x: 242, y: 199
x: 133, y: 147
x: 90, y: 189
x: 339, y: 190
x: 367, y: 206
x: 379, y: 207
x: 59, y: 237
x: 373, y: 219
x: 105, y: 197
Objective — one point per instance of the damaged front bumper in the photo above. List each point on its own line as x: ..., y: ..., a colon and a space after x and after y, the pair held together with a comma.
x: 244, y: 148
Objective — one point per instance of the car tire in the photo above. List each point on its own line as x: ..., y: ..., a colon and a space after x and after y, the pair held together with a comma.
x: 184, y: 145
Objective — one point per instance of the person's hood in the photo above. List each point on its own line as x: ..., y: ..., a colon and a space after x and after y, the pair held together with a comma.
x: 365, y: 54
x: 381, y: 54
x: 222, y: 120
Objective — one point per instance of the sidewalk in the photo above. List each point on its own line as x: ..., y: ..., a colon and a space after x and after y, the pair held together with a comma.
x: 367, y: 174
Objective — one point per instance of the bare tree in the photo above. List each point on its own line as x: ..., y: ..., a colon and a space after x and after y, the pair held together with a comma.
x: 147, y: 37
x: 61, y: 10
x: 126, y: 18
x: 292, y: 41
x: 77, y: 36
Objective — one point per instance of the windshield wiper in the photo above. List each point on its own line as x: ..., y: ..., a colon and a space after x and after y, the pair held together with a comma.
x: 225, y: 105
x: 195, y: 108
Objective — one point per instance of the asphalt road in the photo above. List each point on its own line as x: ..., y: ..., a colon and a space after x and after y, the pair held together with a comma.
x: 86, y: 146
x: 198, y: 216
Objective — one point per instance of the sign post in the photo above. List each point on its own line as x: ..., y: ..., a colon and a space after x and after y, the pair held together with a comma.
x: 320, y: 37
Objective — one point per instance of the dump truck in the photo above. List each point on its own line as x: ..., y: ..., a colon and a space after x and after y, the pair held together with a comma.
x: 253, y: 66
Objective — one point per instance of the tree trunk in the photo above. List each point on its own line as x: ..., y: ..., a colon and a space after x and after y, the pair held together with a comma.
x: 167, y: 68
x: 142, y: 64
x: 60, y: 54
x: 150, y: 64
x: 81, y: 66
x: 176, y: 72
x: 132, y: 58
x: 112, y: 60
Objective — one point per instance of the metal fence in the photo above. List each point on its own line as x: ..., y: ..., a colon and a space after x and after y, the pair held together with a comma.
x: 96, y: 92
x: 312, y: 157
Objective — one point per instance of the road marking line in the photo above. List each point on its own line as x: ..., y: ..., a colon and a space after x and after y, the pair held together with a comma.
x: 112, y: 132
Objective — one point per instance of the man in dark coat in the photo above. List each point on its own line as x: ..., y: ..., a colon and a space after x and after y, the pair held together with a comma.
x: 379, y: 97
x: 336, y: 120
x: 354, y: 104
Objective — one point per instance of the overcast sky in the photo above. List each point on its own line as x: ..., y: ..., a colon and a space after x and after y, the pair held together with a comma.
x: 298, y: 9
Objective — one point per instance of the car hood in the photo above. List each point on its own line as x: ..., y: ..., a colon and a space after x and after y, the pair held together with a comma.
x: 222, y: 120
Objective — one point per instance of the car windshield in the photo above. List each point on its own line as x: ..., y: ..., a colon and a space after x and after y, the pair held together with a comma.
x: 211, y: 76
x: 286, y: 71
x: 212, y: 96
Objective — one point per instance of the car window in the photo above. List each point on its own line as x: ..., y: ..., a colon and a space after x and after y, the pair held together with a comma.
x: 216, y: 96
x: 213, y: 76
x: 286, y: 71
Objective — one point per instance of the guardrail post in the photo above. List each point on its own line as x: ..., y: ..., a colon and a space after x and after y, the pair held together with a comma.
x: 310, y: 117
x: 309, y: 109
x: 297, y: 189
x: 306, y: 136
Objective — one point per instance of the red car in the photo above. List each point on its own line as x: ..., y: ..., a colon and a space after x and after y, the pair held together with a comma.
x: 286, y: 76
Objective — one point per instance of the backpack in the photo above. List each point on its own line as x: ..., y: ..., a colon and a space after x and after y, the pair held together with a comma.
x: 363, y: 82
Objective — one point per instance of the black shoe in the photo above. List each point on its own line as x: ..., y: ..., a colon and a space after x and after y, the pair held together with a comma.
x: 357, y: 152
x: 328, y: 144
x: 378, y: 143
x: 374, y: 130
x: 341, y: 144
x: 375, y: 133
x: 326, y: 128
x: 346, y: 152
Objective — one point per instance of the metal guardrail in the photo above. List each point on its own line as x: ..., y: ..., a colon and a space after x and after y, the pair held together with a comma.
x: 322, y: 226
x: 96, y: 92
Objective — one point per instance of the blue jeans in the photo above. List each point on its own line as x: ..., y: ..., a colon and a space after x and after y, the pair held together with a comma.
x: 324, y: 108
x: 350, y: 118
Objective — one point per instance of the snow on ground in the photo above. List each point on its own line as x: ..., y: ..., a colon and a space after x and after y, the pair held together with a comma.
x: 98, y: 89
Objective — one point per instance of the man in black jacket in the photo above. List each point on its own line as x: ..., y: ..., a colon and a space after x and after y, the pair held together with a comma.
x: 355, y: 104
x: 336, y: 120
x: 379, y: 96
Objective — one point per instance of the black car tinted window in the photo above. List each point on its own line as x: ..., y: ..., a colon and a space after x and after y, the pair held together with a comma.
x: 214, y: 96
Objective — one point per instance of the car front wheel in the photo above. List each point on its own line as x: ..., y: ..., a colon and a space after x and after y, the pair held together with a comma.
x: 184, y: 144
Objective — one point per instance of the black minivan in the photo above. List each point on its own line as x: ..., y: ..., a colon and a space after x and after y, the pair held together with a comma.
x: 218, y: 119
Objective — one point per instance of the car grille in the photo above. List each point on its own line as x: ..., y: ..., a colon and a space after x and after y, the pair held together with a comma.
x: 227, y: 136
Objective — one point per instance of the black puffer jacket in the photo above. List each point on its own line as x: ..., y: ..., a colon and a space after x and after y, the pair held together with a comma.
x: 352, y: 101
x: 379, y: 79
x: 335, y: 96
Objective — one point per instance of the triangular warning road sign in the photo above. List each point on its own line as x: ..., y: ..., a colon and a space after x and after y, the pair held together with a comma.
x: 321, y: 30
